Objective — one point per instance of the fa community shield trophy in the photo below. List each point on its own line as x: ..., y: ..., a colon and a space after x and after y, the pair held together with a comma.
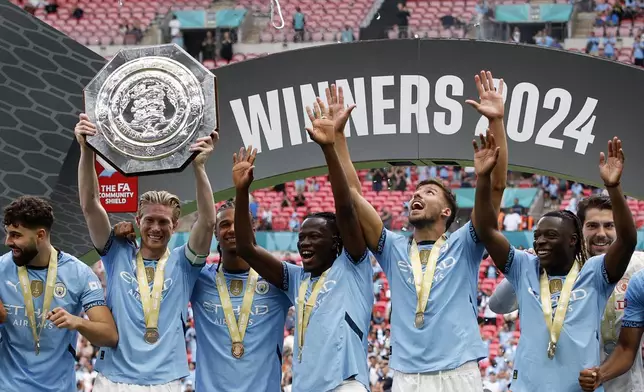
x: 149, y: 105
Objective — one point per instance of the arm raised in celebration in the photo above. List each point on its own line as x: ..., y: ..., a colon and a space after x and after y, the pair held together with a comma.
x: 262, y: 261
x: 485, y: 216
x: 201, y: 232
x: 620, y: 251
x: 96, y: 217
x: 323, y: 133
x: 491, y: 106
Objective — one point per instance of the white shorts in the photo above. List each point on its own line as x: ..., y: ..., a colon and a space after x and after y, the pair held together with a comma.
x: 102, y: 384
x: 350, y: 386
x: 466, y: 378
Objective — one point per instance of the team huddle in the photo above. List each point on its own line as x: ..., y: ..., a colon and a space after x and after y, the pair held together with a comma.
x: 581, y: 329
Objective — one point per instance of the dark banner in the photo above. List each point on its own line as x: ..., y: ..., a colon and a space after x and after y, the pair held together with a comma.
x: 561, y: 109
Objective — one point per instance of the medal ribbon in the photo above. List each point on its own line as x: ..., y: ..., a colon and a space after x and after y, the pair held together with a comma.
x: 609, y: 331
x: 423, y: 281
x: 555, y: 326
x: 237, y: 331
x: 304, y: 312
x: 151, y: 301
x: 23, y: 275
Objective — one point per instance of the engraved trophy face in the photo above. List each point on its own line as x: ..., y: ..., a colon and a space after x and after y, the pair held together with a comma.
x: 149, y: 104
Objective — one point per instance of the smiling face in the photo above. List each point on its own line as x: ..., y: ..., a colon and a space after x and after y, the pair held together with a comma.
x: 554, y: 241
x: 429, y: 205
x: 225, y: 230
x: 157, y: 225
x: 599, y: 230
x: 318, y: 244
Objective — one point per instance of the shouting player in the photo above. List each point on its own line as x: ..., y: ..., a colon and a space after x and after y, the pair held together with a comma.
x: 435, y: 338
x: 596, y: 216
x: 561, y: 293
x: 333, y: 291
x: 44, y: 290
x: 151, y: 349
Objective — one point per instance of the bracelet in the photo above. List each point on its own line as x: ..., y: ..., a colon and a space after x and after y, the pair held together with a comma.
x: 611, y: 186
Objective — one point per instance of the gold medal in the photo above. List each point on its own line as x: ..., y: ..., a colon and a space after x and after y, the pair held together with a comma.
x: 151, y: 335
x: 552, y: 348
x: 555, y: 285
x: 238, y: 350
x: 420, y: 320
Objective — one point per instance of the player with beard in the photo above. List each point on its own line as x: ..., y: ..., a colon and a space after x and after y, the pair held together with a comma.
x: 596, y: 216
x: 151, y: 350
x: 435, y: 338
x: 333, y: 292
x: 255, y: 308
x: 45, y: 291
x: 561, y: 294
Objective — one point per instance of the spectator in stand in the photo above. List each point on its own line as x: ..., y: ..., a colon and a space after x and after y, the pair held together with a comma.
x: 208, y: 47
x: 253, y: 207
x: 516, y: 35
x: 403, y: 15
x: 386, y: 217
x: 175, y: 27
x: 51, y: 7
x: 294, y: 222
x: 300, y: 186
x: 286, y: 202
x: 347, y: 34
x: 512, y: 221
x: 592, y: 45
x: 299, y: 24
x: 609, y: 46
x: 78, y: 11
x: 377, y: 176
x: 299, y: 200
x: 385, y: 376
x: 638, y: 51
x: 226, y: 51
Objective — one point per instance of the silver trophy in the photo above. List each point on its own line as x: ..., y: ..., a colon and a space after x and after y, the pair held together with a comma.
x: 149, y: 105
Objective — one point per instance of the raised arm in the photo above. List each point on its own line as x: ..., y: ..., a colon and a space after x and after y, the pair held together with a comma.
x: 322, y: 132
x: 485, y: 217
x: 96, y: 217
x: 201, y: 233
x: 491, y: 106
x: 262, y: 261
x: 619, y: 253
x: 339, y: 114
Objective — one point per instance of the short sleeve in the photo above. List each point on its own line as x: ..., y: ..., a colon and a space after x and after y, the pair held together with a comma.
x: 92, y: 294
x: 470, y: 242
x: 504, y: 299
x: 291, y: 279
x: 634, y: 302
x: 518, y: 261
x: 193, y: 258
x: 190, y: 268
x: 113, y: 247
x: 600, y: 276
x: 385, y: 252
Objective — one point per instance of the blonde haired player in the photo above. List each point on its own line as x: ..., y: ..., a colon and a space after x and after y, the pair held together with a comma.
x: 151, y: 352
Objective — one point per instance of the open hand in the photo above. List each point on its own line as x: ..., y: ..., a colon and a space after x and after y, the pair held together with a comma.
x: 322, y: 130
x: 485, y: 156
x: 338, y: 113
x: 205, y: 146
x: 491, y: 101
x: 63, y: 319
x: 243, y: 167
x: 611, y: 169
x: 125, y: 230
x: 83, y: 129
x: 589, y: 379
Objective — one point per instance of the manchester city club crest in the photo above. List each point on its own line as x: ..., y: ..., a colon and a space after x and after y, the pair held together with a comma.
x: 36, y: 288
x: 149, y: 273
x: 236, y: 287
x: 60, y: 290
x: 262, y: 287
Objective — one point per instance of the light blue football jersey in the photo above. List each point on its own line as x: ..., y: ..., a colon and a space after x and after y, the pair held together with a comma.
x: 450, y: 335
x: 260, y: 368
x: 578, y: 345
x: 335, y: 343
x: 634, y: 302
x: 77, y: 289
x: 134, y: 361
